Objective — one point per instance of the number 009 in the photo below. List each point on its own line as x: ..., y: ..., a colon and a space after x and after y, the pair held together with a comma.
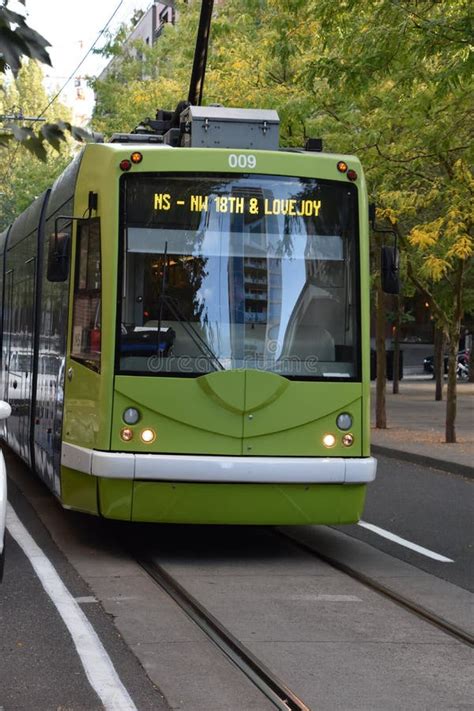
x: 242, y: 160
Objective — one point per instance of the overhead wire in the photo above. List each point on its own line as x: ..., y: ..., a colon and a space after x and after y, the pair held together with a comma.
x: 104, y: 29
x: 73, y: 73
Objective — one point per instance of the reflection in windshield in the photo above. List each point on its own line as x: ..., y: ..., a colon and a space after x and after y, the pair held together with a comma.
x: 224, y: 272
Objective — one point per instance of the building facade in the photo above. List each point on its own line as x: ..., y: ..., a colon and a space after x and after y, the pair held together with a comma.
x: 147, y: 30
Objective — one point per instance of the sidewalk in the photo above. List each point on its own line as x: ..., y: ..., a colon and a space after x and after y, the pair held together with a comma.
x: 416, y: 426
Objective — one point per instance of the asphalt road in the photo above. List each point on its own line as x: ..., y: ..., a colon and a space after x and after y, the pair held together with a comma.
x: 428, y: 507
x: 40, y: 669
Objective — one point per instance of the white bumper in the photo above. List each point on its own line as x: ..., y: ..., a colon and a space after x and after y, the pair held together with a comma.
x: 205, y: 468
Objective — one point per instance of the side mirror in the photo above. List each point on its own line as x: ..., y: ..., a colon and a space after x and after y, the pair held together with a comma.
x: 5, y: 410
x: 58, y: 253
x: 390, y: 272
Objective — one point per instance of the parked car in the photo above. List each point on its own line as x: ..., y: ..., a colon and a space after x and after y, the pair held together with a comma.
x: 463, y: 358
x: 5, y: 411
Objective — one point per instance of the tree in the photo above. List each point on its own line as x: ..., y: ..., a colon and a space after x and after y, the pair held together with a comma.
x: 17, y: 41
x: 22, y: 179
x: 408, y: 114
x: 388, y: 80
x: 149, y: 77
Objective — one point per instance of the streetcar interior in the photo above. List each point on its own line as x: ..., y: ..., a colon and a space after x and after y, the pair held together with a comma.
x: 239, y: 271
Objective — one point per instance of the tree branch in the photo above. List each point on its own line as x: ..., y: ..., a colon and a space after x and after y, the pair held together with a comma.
x: 440, y: 314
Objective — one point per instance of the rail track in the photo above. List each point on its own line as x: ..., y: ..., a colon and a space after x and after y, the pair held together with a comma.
x: 272, y: 687
x: 269, y: 684
x: 424, y: 613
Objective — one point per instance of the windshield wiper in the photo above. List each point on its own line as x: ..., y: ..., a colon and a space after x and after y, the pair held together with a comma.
x: 197, y: 339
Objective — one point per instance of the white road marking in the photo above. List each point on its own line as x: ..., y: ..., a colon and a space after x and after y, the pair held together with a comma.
x: 403, y: 542
x: 96, y: 662
x: 326, y: 598
x: 85, y: 599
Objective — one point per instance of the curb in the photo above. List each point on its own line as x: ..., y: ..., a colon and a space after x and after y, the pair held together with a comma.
x: 443, y: 464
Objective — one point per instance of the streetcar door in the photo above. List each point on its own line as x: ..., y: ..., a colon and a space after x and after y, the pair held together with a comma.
x: 52, y: 331
x: 20, y: 366
x: 83, y: 384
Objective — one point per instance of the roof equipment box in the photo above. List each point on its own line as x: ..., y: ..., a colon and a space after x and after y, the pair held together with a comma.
x: 218, y: 127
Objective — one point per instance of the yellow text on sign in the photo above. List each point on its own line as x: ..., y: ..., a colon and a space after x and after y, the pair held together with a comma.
x: 239, y: 206
x: 294, y: 208
x: 162, y: 201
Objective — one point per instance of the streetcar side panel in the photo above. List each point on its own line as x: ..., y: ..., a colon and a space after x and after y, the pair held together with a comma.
x: 53, y: 298
x: 19, y: 324
x: 89, y: 365
x: 3, y: 240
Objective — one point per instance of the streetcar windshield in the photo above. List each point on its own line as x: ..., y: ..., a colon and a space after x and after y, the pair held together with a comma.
x: 239, y: 271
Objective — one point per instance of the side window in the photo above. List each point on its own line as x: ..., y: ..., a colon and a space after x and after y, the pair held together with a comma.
x: 86, y: 323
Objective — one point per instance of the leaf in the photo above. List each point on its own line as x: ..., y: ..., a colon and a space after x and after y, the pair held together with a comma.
x: 5, y: 139
x: 462, y: 249
x: 53, y: 134
x: 12, y: 49
x: 27, y: 137
x: 435, y: 268
x: 17, y: 40
x: 80, y: 134
x: 21, y: 133
x: 37, y: 45
x: 36, y: 146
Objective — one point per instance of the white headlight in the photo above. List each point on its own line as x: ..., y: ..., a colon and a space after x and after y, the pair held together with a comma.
x: 148, y: 436
x: 344, y: 421
x: 329, y: 440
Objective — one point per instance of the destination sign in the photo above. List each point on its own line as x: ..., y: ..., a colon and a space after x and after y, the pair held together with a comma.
x: 236, y: 205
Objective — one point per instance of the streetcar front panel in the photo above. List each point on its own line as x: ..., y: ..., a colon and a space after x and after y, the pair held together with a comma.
x: 232, y: 381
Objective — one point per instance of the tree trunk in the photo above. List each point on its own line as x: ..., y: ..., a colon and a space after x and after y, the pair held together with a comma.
x: 454, y: 335
x: 396, y: 345
x: 438, y: 362
x: 451, y: 397
x: 380, y: 406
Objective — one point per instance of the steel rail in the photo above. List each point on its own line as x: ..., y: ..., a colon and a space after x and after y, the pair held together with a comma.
x: 273, y: 688
x: 424, y: 613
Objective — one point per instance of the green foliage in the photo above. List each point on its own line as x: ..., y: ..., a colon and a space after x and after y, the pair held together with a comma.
x: 140, y: 79
x: 17, y: 41
x: 22, y: 179
x: 388, y: 80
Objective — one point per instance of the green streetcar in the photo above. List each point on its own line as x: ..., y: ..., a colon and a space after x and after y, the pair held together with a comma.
x: 185, y: 328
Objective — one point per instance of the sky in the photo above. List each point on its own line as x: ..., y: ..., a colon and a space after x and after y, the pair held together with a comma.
x: 71, y: 28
